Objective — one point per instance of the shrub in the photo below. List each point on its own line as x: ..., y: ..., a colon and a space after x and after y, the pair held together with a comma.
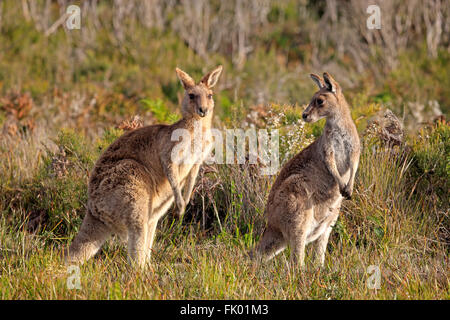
x: 58, y: 191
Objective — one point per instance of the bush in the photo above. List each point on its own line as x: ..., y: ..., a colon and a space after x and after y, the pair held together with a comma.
x: 56, y: 195
x: 430, y: 151
x: 431, y: 155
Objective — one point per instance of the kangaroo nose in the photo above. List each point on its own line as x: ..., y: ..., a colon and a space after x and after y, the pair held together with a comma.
x: 304, y: 116
x: 201, y: 112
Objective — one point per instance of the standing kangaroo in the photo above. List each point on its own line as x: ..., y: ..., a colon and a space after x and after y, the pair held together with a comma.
x: 135, y: 181
x: 305, y: 199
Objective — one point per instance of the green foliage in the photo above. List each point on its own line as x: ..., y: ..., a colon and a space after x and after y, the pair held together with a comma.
x: 75, y: 147
x: 171, y: 90
x: 419, y: 78
x: 159, y: 110
x: 385, y: 224
x: 431, y: 155
x: 109, y: 136
x: 59, y: 188
x: 91, y: 80
x: 380, y: 204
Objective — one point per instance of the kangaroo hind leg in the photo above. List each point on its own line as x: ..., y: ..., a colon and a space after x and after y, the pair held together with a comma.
x: 271, y: 244
x: 138, y: 232
x: 93, y: 233
x: 150, y: 237
x: 298, y: 236
x: 322, y: 241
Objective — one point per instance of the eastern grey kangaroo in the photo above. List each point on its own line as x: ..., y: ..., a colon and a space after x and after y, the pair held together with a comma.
x: 135, y: 181
x: 305, y: 199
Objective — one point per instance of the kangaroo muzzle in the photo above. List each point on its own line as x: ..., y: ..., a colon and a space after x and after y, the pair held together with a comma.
x: 202, y: 112
x: 306, y: 116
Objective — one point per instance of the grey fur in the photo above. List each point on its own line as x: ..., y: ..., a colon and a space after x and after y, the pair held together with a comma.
x: 305, y: 199
x: 135, y: 181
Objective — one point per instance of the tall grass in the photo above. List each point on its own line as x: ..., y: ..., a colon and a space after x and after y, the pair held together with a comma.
x: 390, y: 223
x: 65, y: 94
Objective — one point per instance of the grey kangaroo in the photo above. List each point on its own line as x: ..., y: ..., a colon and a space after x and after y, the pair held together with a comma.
x: 135, y: 181
x: 304, y: 202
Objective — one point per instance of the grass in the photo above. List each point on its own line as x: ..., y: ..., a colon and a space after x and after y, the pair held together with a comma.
x: 65, y: 97
x: 392, y: 223
x: 209, y: 269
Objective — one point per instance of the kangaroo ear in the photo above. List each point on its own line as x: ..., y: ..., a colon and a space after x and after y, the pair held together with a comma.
x: 318, y: 80
x: 212, y: 77
x: 330, y: 83
x: 185, y: 79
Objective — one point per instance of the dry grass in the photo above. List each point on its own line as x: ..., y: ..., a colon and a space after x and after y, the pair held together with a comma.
x: 66, y: 95
x: 390, y: 223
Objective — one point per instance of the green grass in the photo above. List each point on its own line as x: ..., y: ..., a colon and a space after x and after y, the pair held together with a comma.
x: 206, y: 269
x: 391, y: 223
x: 73, y: 88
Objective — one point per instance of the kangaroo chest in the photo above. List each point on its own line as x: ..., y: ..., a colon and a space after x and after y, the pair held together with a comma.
x: 195, y: 153
x: 342, y: 146
x: 184, y: 166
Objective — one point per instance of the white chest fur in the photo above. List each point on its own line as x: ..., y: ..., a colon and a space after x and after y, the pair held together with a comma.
x: 192, y: 147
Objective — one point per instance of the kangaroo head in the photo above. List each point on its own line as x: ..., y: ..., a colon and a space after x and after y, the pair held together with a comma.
x: 198, y: 98
x: 327, y: 101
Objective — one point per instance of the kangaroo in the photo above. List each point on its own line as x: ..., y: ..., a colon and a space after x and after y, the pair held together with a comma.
x: 304, y: 202
x: 135, y: 181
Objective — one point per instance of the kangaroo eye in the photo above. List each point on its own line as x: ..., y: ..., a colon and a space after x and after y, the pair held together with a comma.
x: 320, y: 101
x: 209, y: 96
x: 191, y: 96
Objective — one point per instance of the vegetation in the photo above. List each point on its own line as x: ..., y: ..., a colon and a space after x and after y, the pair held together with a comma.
x: 65, y: 95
